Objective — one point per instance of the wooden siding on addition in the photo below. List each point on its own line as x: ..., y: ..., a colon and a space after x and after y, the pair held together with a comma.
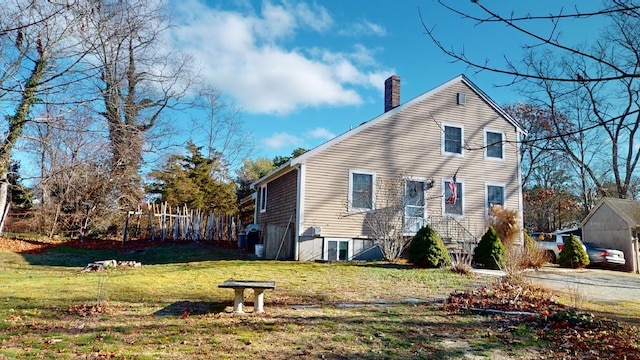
x: 281, y: 207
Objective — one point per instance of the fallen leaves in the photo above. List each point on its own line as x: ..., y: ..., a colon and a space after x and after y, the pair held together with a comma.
x: 571, y: 334
x: 85, y: 310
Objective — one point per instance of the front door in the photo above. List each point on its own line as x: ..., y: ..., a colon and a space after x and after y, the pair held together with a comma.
x: 414, y: 206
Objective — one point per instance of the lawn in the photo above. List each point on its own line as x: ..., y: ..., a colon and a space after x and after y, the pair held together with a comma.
x: 171, y: 308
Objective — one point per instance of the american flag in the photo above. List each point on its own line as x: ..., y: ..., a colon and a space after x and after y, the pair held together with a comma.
x: 453, y: 188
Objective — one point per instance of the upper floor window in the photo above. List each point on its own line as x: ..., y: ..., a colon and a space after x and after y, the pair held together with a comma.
x: 493, y: 144
x: 361, y: 190
x: 263, y: 198
x: 452, y: 140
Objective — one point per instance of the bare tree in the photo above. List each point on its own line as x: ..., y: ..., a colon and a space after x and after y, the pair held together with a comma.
x: 543, y: 153
x: 388, y: 218
x: 38, y: 58
x: 223, y: 129
x: 595, y: 86
x: 73, y: 181
x: 140, y: 79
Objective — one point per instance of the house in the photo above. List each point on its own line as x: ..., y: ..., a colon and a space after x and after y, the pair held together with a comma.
x: 316, y: 206
x: 615, y: 224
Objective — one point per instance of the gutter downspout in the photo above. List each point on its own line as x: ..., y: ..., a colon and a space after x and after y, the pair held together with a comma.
x: 521, y: 136
x: 299, y: 212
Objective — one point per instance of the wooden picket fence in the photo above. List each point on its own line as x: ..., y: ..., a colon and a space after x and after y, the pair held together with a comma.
x: 162, y: 222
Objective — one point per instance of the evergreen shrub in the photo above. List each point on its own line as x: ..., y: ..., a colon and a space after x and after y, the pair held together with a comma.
x: 490, y: 250
x: 427, y: 249
x: 573, y: 254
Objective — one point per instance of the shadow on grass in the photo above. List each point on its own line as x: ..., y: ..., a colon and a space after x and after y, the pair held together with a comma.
x: 180, y: 308
x: 151, y: 254
x: 386, y: 265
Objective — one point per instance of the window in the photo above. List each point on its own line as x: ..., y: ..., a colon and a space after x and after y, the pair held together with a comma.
x: 361, y: 190
x: 452, y: 140
x: 453, y: 204
x: 337, y: 249
x: 493, y: 143
x: 414, y: 205
x: 495, y: 196
x: 263, y: 198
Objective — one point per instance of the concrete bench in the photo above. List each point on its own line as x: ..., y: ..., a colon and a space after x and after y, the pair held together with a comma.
x: 258, y: 287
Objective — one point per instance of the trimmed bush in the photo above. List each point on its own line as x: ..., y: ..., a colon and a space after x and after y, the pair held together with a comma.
x: 490, y: 251
x: 427, y: 249
x: 573, y: 254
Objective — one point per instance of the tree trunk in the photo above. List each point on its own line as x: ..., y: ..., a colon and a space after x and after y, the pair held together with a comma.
x: 4, y: 195
x: 16, y: 125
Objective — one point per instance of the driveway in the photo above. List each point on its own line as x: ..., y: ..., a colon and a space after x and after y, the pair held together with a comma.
x: 593, y: 284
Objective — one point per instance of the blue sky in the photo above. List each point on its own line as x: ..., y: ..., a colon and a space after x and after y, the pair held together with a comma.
x: 303, y: 72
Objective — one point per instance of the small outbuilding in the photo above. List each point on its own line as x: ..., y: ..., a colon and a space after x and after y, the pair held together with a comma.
x: 615, y: 223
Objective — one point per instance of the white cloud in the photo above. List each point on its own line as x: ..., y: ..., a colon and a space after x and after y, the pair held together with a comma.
x: 282, y: 140
x: 320, y: 133
x: 252, y: 56
x: 364, y: 28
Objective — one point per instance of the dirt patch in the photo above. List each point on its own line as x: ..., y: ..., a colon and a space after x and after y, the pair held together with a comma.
x: 35, y: 246
x: 23, y: 246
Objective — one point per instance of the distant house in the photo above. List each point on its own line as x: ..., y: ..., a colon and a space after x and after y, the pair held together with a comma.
x: 315, y: 206
x: 615, y: 223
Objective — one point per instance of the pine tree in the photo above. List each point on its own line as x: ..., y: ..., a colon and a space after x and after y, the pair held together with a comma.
x: 195, y: 181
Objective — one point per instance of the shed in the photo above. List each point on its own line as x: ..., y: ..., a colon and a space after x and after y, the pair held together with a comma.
x: 615, y: 223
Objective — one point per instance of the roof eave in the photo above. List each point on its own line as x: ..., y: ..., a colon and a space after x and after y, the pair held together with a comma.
x: 281, y: 170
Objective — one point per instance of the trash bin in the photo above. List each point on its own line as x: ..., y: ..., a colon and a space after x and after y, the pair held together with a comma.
x: 253, y: 238
x: 242, y: 239
x: 259, y: 250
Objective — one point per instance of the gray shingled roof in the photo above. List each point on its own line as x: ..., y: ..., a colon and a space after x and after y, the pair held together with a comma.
x: 627, y: 209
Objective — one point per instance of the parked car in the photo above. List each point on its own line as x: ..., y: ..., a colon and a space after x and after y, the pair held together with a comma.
x: 552, y: 243
x: 603, y: 257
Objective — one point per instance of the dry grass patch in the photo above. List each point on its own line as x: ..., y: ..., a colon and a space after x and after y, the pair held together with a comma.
x: 174, y: 310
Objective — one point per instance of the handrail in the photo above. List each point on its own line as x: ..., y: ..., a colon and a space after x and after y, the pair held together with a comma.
x: 449, y: 228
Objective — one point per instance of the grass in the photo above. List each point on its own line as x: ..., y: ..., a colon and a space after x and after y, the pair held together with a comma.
x: 171, y: 308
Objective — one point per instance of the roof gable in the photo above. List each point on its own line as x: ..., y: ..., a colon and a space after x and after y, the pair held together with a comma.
x: 629, y: 210
x: 460, y: 78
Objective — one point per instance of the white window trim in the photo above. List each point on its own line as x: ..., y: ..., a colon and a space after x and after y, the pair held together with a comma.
x: 325, y: 248
x: 373, y: 190
x: 444, y: 184
x: 263, y: 198
x: 486, y: 195
x: 486, y: 145
x: 424, y: 215
x: 443, y: 138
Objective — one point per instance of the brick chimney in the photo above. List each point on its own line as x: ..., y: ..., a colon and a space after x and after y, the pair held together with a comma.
x: 391, y: 92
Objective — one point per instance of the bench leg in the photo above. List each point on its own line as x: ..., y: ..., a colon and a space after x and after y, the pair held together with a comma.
x: 258, y: 302
x: 237, y: 302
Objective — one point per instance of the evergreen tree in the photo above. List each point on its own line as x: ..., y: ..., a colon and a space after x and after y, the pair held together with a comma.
x: 196, y: 181
x: 490, y: 251
x: 21, y: 196
x: 573, y: 254
x: 427, y: 249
